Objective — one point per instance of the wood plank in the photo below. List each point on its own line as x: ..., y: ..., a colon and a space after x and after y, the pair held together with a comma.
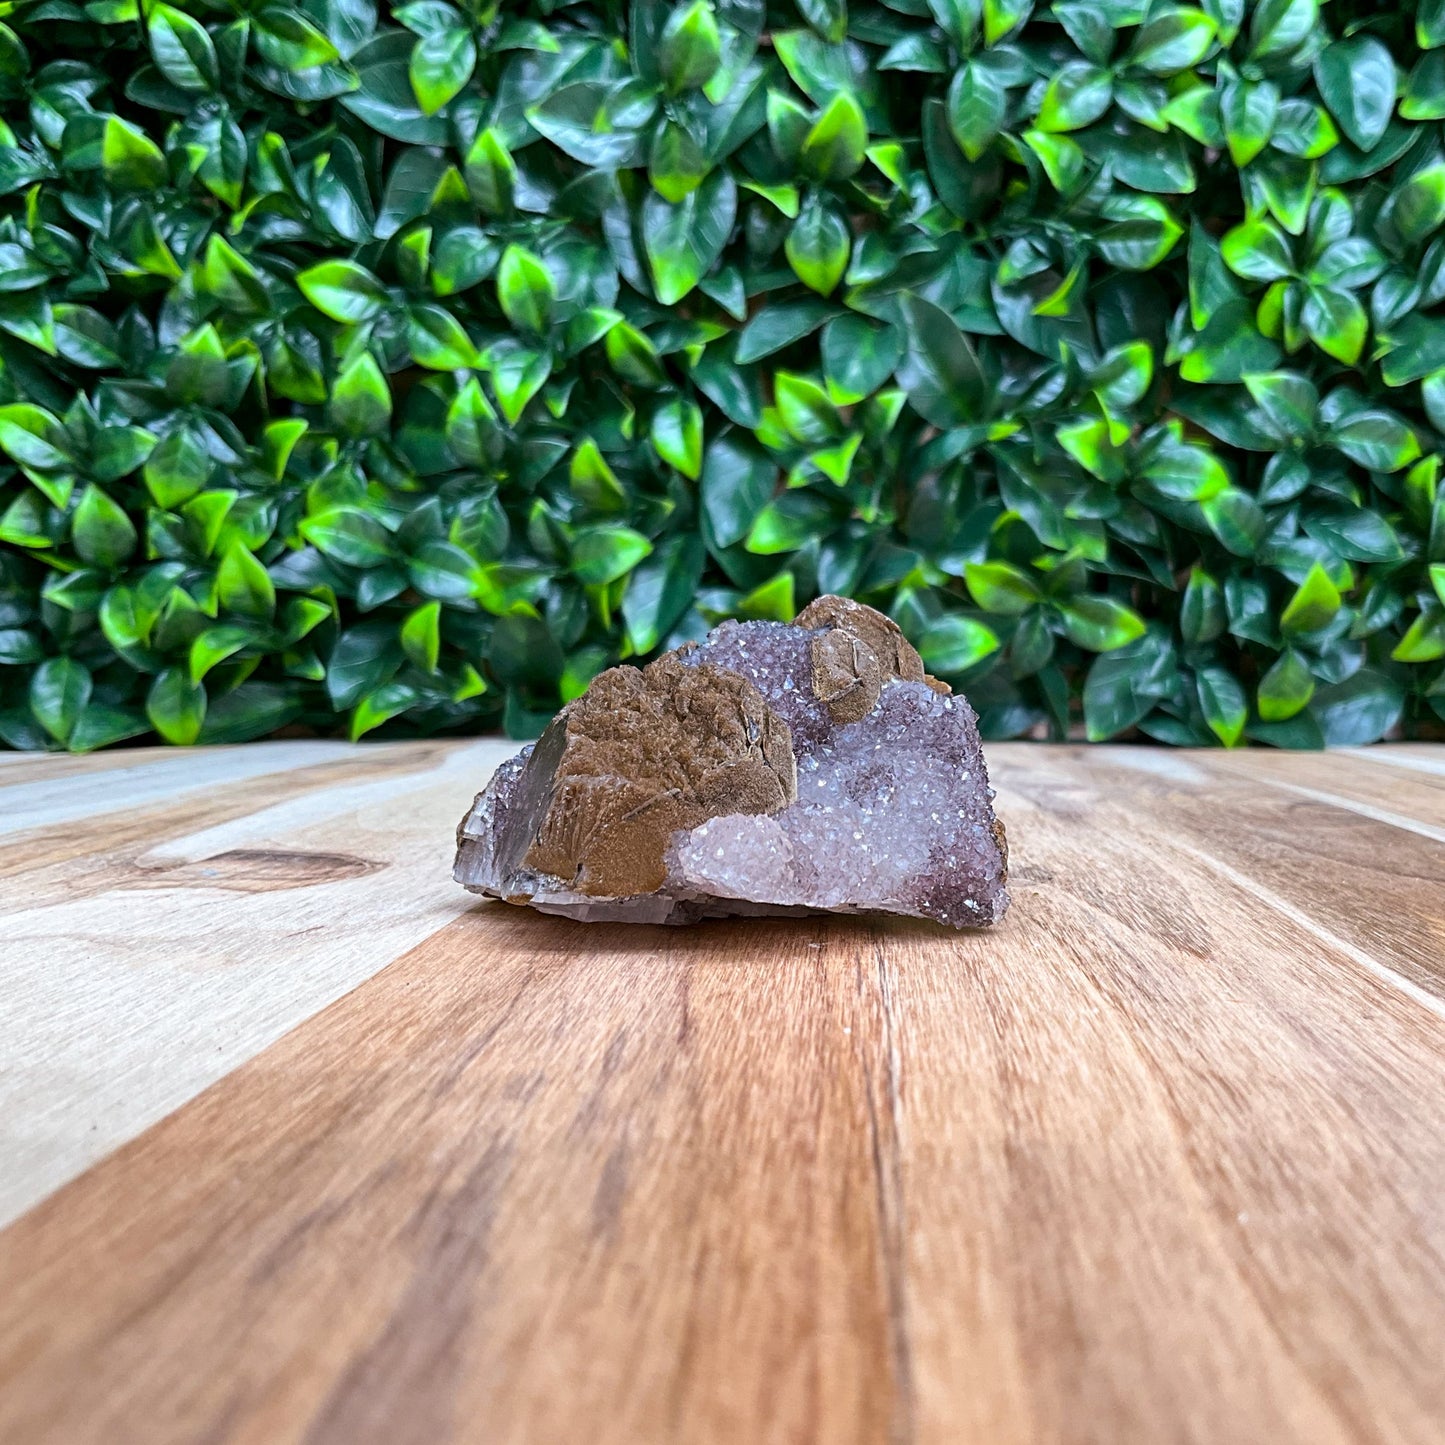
x: 1227, y: 1226
x: 141, y: 777
x: 496, y: 1068
x: 147, y: 957
x: 1404, y: 798
x: 1369, y: 879
x: 1157, y: 1161
x: 68, y: 856
x: 1417, y: 757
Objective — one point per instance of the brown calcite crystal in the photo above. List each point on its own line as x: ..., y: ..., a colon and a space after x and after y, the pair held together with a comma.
x: 772, y: 768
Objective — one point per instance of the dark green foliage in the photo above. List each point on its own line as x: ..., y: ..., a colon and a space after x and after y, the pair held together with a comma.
x: 404, y: 370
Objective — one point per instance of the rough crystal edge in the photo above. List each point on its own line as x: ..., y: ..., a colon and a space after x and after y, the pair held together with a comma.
x: 670, y: 907
x: 479, y: 838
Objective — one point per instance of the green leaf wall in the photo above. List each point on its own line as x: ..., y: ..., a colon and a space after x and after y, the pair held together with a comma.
x: 398, y: 369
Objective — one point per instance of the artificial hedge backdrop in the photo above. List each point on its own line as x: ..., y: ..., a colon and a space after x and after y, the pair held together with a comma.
x: 402, y: 368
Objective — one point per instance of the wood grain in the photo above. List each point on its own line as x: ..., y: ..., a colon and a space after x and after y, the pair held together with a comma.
x: 1303, y: 833
x: 1158, y: 1161
x: 150, y: 950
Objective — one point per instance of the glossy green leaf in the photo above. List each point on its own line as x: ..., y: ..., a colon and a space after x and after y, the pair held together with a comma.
x: 690, y: 47
x: 441, y: 64
x: 243, y: 586
x: 437, y: 340
x: 1356, y: 78
x: 1280, y: 26
x: 771, y: 601
x: 59, y: 690
x: 977, y: 107
x: 349, y: 535
x: 1417, y: 208
x: 360, y: 402
x: 594, y: 483
x: 1376, y: 439
x: 787, y: 523
x: 1356, y: 533
x: 605, y: 553
x: 859, y: 356
x: 677, y: 163
x: 818, y: 247
x: 954, y: 644
x: 525, y: 290
x: 1430, y: 25
x: 1236, y: 519
x: 1142, y: 233
x: 1360, y: 710
x: 290, y: 41
x: 684, y: 240
x: 1100, y: 624
x: 1315, y: 602
x: 176, y: 706
x: 491, y: 173
x: 805, y: 409
x: 633, y: 356
x: 387, y: 702
x: 1336, y: 322
x: 737, y: 482
x: 778, y: 326
x: 1423, y: 99
x: 363, y: 658
x: 660, y: 590
x: 100, y: 530
x: 518, y: 374
x: 940, y: 371
x: 1258, y: 251
x: 1174, y: 39
x: 677, y: 436
x: 182, y: 49
x: 129, y: 158
x: 31, y: 436
x: 1425, y: 639
x: 828, y: 17
x: 1001, y: 587
x: 833, y: 148
x: 421, y: 636
x: 344, y: 291
x: 1229, y: 348
x: 1076, y: 96
x: 1123, y: 686
x: 1289, y: 400
x: 1202, y: 616
x: 1285, y: 689
x: 914, y: 53
x: 1224, y: 704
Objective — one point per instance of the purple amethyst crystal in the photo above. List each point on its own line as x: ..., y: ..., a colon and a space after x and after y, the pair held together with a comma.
x: 773, y: 768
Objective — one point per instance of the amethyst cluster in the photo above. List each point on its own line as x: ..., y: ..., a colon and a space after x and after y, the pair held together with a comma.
x: 772, y: 768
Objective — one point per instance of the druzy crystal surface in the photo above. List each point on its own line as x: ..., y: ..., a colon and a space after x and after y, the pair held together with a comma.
x: 772, y: 768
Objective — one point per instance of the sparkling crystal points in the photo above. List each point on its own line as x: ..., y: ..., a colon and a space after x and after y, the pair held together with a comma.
x: 772, y: 768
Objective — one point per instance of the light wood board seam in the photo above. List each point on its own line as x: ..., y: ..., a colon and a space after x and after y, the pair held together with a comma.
x: 34, y: 861
x: 1381, y: 971
x: 1335, y: 800
x: 892, y: 1202
x: 157, y: 782
x: 98, y: 1117
x: 1383, y: 755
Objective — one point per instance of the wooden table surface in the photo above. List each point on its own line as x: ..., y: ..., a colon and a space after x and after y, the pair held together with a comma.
x: 300, y: 1143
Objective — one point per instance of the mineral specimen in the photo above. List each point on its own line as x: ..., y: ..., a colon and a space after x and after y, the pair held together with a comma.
x: 772, y: 768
